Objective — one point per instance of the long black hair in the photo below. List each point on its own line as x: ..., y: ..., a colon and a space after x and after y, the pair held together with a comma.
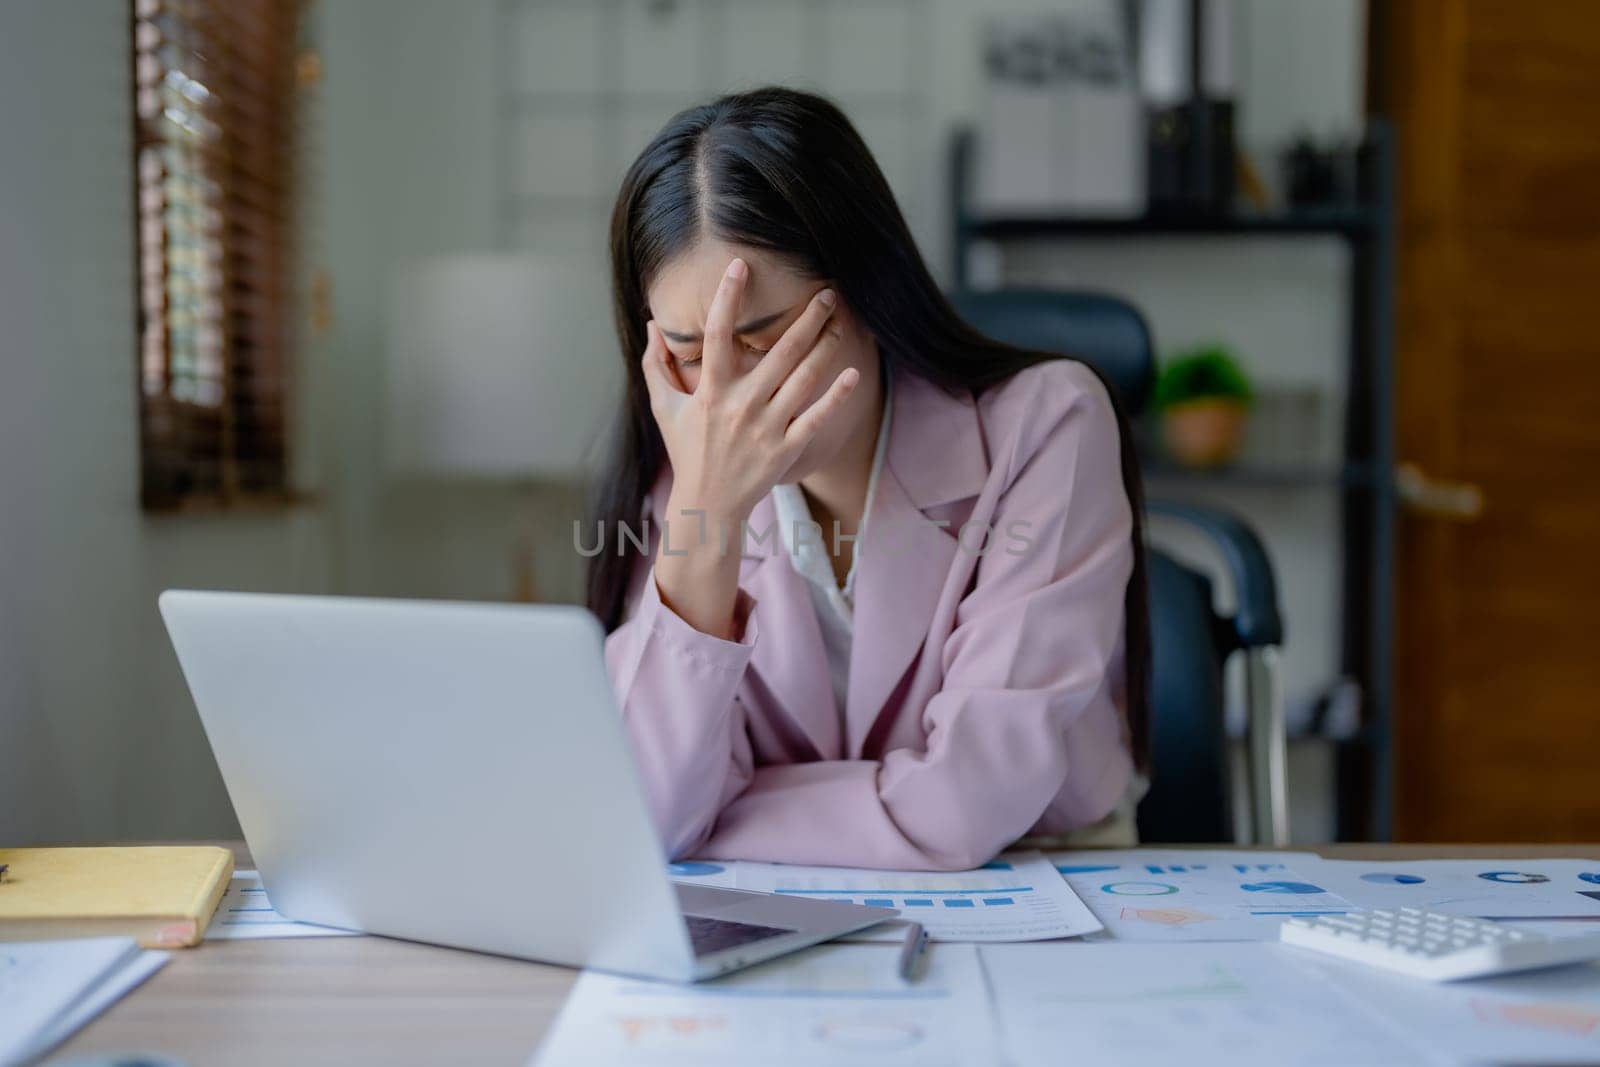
x: 785, y: 171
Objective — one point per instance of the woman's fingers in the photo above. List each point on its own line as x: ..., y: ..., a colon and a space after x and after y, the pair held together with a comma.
x: 664, y: 356
x: 718, y: 356
x: 812, y: 419
x: 660, y: 380
x: 798, y: 340
x: 807, y: 377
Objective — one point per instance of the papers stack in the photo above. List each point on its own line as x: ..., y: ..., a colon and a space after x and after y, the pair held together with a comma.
x: 48, y: 989
x: 1187, y: 969
x: 246, y: 913
x: 1194, y: 895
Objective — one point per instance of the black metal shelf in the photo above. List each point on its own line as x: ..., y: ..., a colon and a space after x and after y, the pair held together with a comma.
x: 1327, y: 222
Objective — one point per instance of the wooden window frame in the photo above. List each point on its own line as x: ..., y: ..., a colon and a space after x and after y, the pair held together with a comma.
x: 216, y: 114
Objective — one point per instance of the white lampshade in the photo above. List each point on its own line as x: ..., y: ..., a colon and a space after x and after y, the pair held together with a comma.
x: 500, y: 366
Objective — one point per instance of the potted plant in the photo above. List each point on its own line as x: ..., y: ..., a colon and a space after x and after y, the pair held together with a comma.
x: 1203, y: 396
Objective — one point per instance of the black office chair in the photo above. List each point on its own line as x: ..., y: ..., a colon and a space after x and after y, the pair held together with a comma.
x: 1190, y: 796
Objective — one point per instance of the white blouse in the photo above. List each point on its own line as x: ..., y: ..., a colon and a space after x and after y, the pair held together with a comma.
x: 810, y: 555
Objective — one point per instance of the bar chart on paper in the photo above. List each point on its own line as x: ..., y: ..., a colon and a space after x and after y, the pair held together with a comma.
x: 1018, y: 897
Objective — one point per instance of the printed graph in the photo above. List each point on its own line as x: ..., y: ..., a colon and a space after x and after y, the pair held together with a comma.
x: 995, y: 887
x: 1281, y: 887
x: 1556, y: 1017
x: 1139, y: 889
x: 1019, y: 897
x: 1167, y: 916
x: 1514, y: 877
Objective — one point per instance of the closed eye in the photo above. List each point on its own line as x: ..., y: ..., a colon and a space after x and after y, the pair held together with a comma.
x: 690, y: 361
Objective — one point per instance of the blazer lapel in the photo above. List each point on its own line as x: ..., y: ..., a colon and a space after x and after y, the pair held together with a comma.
x: 788, y: 656
x: 935, y: 456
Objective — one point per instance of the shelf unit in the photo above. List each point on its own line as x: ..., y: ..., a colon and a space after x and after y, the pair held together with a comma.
x: 1364, y: 478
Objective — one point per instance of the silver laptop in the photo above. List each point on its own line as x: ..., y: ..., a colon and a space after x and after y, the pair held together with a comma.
x: 458, y: 774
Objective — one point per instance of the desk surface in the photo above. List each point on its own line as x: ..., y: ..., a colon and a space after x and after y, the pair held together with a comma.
x: 374, y: 1000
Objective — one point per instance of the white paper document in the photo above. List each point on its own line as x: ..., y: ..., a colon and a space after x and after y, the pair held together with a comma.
x: 839, y: 1005
x: 245, y: 912
x: 1131, y: 1005
x: 1193, y: 895
x: 1554, y: 892
x: 48, y: 989
x: 1018, y: 897
x: 1550, y: 1016
x: 117, y: 984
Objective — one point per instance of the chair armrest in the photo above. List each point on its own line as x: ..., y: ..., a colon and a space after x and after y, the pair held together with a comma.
x: 1257, y: 622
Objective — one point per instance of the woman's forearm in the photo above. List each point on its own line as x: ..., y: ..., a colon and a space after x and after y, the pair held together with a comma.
x: 697, y: 568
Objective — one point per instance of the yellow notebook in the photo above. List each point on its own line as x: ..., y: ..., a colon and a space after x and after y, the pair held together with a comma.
x: 162, y: 896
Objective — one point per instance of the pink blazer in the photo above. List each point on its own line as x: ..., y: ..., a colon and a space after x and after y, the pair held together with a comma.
x: 986, y: 671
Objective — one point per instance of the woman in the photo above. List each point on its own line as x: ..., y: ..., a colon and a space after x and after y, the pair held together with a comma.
x: 873, y: 582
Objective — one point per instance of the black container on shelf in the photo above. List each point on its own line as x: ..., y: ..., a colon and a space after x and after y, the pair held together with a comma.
x: 1167, y: 139
x: 1211, y: 156
x: 1189, y: 164
x: 1332, y: 174
x: 1189, y: 117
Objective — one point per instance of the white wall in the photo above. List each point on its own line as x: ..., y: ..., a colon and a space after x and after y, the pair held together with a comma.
x: 407, y: 153
x: 98, y: 738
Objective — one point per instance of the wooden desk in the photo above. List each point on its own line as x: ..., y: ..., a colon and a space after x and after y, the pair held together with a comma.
x: 374, y: 1000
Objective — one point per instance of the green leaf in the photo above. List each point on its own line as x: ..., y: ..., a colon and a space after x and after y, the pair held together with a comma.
x: 1205, y: 371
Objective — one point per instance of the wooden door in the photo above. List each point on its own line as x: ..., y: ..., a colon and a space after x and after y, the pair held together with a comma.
x: 1497, y: 703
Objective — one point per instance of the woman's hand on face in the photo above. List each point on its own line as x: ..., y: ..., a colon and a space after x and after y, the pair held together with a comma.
x: 733, y: 437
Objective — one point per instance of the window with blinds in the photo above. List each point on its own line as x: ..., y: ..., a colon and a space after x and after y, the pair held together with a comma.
x: 215, y: 119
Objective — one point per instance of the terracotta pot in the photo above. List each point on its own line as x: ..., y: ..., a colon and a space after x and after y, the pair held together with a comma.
x: 1205, y: 432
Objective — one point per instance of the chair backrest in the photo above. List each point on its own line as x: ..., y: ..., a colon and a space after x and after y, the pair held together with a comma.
x: 1189, y: 798
x: 1104, y: 331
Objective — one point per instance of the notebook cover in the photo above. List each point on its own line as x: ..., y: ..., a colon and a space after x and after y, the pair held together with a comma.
x: 163, y: 895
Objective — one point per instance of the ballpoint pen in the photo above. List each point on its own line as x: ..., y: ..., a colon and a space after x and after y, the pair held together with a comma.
x: 915, y: 944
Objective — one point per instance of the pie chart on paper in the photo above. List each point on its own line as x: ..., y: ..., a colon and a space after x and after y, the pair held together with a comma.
x: 1514, y: 877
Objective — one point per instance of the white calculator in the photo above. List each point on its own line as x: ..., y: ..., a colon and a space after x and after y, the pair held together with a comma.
x: 1427, y: 944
